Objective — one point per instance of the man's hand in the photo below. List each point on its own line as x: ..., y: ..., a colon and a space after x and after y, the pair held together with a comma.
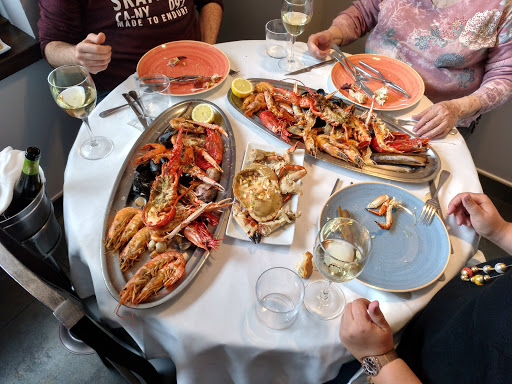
x: 92, y: 54
x: 364, y: 330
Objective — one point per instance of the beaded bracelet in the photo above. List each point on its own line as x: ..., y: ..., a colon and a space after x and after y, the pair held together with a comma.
x: 467, y: 274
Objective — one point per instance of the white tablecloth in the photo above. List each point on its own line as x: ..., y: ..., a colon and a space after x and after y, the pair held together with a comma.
x: 210, y: 330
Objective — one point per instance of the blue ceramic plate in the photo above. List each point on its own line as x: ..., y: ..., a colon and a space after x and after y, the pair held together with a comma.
x: 404, y: 258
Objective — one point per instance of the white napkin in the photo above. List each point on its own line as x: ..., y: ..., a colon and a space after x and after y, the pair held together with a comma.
x: 11, y: 164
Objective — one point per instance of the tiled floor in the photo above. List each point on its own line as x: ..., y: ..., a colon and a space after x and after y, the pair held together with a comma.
x: 31, y: 351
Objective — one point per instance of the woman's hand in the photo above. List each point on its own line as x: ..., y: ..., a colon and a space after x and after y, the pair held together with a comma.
x: 477, y: 210
x: 364, y: 330
x: 319, y: 44
x: 92, y: 54
x: 437, y: 120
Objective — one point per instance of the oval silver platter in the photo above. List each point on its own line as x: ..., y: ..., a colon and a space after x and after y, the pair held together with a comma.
x: 121, y: 197
x: 390, y: 172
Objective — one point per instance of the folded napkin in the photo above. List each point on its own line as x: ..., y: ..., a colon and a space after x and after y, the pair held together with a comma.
x: 11, y: 164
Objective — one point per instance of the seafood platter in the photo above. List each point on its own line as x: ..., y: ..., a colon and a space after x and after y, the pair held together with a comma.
x: 332, y: 130
x: 410, y: 255
x: 266, y: 193
x: 167, y: 206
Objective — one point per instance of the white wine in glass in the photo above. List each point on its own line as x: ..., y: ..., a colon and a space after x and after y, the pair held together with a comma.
x: 342, y: 249
x: 73, y: 90
x: 296, y: 14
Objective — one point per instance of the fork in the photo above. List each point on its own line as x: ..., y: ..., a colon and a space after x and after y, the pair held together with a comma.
x: 432, y: 206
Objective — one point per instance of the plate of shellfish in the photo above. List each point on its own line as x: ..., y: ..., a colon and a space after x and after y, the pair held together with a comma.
x: 167, y: 206
x: 266, y: 193
x: 336, y: 131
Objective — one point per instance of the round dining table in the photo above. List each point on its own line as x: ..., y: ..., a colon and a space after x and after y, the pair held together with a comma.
x: 210, y: 330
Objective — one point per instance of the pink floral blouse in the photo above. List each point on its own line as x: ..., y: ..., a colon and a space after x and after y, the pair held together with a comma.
x: 459, y: 50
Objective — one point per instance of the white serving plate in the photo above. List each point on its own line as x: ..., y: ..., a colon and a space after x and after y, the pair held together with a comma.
x: 283, y: 235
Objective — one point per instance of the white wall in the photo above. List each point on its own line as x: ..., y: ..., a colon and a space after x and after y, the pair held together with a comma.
x: 490, y: 144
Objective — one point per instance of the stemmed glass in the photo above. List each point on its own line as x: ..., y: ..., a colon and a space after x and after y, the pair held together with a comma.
x: 296, y: 14
x: 342, y: 249
x: 154, y: 88
x: 73, y: 90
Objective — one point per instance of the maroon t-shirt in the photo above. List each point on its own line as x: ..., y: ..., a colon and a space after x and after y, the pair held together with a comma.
x: 132, y: 28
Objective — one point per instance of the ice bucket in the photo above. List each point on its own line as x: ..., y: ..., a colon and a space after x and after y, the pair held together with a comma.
x: 36, y: 226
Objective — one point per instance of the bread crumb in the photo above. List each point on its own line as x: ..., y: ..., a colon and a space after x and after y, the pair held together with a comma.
x: 305, y: 266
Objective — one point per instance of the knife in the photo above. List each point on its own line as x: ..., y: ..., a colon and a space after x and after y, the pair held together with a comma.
x: 136, y: 110
x: 307, y: 69
x: 382, y: 78
x: 358, y: 82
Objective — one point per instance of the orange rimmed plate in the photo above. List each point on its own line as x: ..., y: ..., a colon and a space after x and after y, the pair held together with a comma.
x: 201, y: 59
x: 394, y: 70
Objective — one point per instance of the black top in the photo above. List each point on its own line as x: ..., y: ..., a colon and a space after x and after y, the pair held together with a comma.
x: 464, y: 335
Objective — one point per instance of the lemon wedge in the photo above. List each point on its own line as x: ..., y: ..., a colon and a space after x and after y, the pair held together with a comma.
x: 203, y: 113
x: 74, y: 96
x: 241, y: 87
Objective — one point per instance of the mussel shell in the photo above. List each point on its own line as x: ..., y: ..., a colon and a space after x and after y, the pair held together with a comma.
x: 142, y: 183
x: 155, y: 167
x: 165, y: 138
x: 206, y: 192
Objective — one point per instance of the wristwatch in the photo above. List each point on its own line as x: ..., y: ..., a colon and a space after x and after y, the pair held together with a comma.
x: 373, y: 364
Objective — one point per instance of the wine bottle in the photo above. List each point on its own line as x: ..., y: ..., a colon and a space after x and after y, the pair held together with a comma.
x: 28, y: 184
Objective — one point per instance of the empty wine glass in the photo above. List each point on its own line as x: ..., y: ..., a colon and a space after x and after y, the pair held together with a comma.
x: 154, y: 94
x: 73, y: 90
x: 342, y: 249
x: 296, y: 14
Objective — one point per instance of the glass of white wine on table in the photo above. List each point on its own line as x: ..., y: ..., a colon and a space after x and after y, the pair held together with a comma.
x: 73, y: 90
x: 296, y: 14
x: 342, y: 248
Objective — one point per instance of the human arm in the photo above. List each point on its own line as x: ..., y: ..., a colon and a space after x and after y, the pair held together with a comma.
x: 477, y: 210
x: 210, y: 17
x: 61, y: 35
x: 494, y: 91
x: 347, y: 27
x: 364, y: 331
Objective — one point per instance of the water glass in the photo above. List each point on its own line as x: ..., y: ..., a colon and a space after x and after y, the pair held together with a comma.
x: 153, y: 91
x: 277, y: 39
x: 279, y: 293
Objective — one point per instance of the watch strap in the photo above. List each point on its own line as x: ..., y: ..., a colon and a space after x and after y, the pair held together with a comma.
x: 373, y: 364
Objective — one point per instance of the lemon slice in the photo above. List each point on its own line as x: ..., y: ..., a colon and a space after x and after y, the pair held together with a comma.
x: 74, y: 96
x: 203, y: 113
x: 241, y: 87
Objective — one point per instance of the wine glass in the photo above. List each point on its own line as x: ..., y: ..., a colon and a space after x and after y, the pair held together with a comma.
x: 342, y: 249
x: 73, y: 90
x: 154, y: 94
x: 296, y: 14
